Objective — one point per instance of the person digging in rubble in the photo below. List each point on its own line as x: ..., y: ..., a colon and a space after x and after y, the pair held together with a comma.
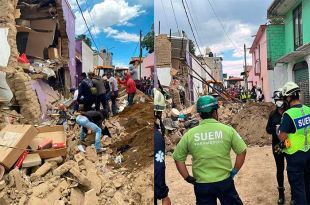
x: 295, y: 142
x: 210, y: 144
x: 93, y: 120
x: 130, y: 87
x: 161, y: 190
x: 272, y: 128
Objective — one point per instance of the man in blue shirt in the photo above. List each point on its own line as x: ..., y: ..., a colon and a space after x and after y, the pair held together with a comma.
x: 160, y: 188
x: 295, y: 141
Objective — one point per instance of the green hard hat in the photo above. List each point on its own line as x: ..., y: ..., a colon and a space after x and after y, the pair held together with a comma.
x: 207, y: 104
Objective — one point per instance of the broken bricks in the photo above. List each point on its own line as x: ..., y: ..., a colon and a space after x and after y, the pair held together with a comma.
x: 82, y: 179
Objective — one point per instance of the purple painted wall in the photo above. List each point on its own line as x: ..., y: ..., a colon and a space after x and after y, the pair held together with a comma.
x: 70, y: 28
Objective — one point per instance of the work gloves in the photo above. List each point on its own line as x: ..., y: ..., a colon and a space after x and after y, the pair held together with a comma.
x: 190, y: 179
x: 233, y: 172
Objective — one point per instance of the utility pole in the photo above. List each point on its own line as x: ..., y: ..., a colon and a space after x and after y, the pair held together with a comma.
x: 158, y: 27
x: 140, y: 55
x: 245, y: 70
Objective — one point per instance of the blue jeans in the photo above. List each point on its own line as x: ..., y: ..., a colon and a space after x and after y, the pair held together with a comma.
x: 84, y: 122
x: 130, y: 98
x: 225, y: 191
x: 298, y: 172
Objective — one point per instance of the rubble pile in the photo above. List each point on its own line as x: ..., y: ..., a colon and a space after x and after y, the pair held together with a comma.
x: 248, y: 119
x: 250, y: 122
x: 20, y: 84
x: 121, y: 175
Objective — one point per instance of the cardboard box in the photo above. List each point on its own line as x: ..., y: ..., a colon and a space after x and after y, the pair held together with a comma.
x: 52, y: 53
x: 17, y: 136
x: 57, y: 134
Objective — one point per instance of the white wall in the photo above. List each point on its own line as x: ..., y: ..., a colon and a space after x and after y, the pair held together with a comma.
x: 197, y: 85
x: 87, y: 58
x: 277, y: 78
x: 98, y: 61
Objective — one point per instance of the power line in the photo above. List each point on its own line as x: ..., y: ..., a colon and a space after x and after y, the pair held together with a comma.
x: 135, y: 49
x: 197, y: 45
x: 195, y: 27
x: 175, y: 18
x: 86, y: 25
x: 222, y: 25
x: 165, y: 14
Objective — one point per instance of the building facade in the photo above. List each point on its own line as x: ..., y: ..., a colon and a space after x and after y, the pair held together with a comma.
x: 259, y: 75
x: 84, y: 57
x: 292, y: 57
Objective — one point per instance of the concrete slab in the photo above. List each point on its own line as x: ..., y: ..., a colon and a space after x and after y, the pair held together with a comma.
x: 32, y: 160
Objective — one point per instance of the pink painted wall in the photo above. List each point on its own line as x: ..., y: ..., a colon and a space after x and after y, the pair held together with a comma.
x: 260, y: 66
x: 147, y: 64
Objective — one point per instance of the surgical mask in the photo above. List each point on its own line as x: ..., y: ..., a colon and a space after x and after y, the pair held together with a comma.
x: 279, y: 103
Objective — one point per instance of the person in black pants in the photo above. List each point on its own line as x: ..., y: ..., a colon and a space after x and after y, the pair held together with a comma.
x: 85, y: 96
x: 272, y: 128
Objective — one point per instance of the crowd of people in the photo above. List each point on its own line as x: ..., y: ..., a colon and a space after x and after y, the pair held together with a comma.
x: 211, y: 142
x: 95, y: 93
x: 255, y: 94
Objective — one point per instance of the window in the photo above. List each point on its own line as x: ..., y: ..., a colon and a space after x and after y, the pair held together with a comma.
x: 298, y: 37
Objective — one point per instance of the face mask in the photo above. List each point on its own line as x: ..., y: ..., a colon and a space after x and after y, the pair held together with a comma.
x: 279, y: 104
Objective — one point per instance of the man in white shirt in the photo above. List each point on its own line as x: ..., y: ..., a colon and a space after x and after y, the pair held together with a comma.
x: 113, y: 92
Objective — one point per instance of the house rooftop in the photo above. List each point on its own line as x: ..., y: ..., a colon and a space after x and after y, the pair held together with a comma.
x: 280, y: 7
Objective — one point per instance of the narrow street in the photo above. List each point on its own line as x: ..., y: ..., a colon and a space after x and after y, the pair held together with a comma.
x: 256, y: 182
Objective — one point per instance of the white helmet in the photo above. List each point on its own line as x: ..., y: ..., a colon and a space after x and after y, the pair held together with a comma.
x: 289, y: 89
x: 277, y: 95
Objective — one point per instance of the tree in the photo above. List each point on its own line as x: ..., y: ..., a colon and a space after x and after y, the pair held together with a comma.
x: 85, y: 39
x: 192, y: 48
x: 148, y: 42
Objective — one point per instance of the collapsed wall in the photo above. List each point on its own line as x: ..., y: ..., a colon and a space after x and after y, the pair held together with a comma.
x: 18, y: 80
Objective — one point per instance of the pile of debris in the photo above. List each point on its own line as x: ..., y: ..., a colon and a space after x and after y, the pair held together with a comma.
x: 66, y: 175
x: 250, y: 122
x: 248, y: 119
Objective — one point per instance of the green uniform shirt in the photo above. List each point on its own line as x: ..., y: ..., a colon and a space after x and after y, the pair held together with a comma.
x: 210, y: 144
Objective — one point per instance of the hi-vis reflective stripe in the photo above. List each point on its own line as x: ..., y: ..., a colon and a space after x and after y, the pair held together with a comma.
x: 305, y: 127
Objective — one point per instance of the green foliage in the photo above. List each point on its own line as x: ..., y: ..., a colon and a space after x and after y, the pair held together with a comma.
x: 85, y: 39
x: 148, y: 42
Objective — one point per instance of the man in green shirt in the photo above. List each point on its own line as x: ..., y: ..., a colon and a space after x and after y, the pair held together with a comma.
x: 210, y: 144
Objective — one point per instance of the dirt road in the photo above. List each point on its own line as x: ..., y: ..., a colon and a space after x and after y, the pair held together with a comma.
x: 255, y: 183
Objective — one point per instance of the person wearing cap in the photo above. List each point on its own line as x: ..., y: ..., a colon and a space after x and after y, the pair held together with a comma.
x: 272, y: 128
x: 161, y: 190
x: 210, y: 144
x: 295, y: 142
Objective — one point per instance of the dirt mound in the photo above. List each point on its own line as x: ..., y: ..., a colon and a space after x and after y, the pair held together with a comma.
x: 249, y: 120
x: 138, y: 142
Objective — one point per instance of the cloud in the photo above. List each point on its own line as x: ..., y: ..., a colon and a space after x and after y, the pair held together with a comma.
x: 240, y: 20
x: 73, y: 4
x: 106, y: 14
x: 233, y: 68
x: 122, y: 36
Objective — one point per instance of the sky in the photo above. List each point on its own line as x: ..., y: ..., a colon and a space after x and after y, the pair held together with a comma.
x: 233, y: 23
x: 115, y: 25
